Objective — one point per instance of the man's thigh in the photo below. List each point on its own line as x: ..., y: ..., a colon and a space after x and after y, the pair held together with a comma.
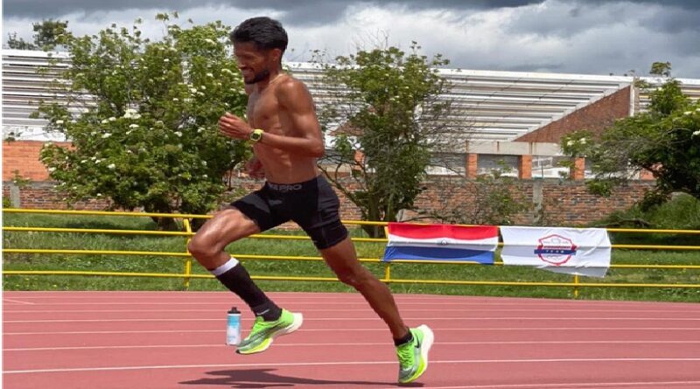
x: 227, y: 225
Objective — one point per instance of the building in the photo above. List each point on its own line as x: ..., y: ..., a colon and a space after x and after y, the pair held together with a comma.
x: 516, y: 118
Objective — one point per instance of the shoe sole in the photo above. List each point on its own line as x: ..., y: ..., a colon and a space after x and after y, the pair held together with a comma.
x: 296, y: 323
x: 428, y: 339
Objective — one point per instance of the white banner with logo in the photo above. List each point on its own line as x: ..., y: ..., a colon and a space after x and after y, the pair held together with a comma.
x: 581, y: 251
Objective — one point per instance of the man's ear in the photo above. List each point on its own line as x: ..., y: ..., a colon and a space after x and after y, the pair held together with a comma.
x: 276, y: 55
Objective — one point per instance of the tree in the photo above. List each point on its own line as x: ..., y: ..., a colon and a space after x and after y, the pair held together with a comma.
x: 664, y: 140
x: 384, y: 110
x: 19, y: 43
x: 142, y: 118
x: 48, y: 34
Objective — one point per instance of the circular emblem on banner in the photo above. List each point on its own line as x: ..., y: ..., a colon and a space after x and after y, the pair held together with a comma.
x: 555, y: 249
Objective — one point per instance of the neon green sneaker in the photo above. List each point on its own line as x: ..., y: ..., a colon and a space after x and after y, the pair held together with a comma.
x: 413, y: 356
x: 264, y: 332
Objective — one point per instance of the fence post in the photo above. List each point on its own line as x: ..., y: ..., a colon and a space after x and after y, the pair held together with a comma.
x: 387, y: 267
x: 188, y: 260
x: 576, y: 282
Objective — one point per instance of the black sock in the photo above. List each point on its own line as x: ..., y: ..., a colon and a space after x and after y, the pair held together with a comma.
x: 238, y: 281
x: 269, y: 311
x: 405, y: 339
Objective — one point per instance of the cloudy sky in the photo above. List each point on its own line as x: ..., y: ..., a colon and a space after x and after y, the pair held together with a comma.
x: 560, y: 36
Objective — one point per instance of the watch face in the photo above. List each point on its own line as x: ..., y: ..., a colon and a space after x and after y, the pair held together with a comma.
x: 256, y: 135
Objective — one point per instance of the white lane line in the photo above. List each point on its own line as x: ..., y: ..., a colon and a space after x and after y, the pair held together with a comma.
x: 295, y: 295
x: 373, y: 318
x: 17, y: 301
x: 219, y: 345
x: 350, y: 298
x: 693, y: 310
x: 52, y: 333
x: 571, y: 385
x: 361, y: 344
x: 377, y: 329
x: 347, y: 363
x: 360, y: 308
x: 353, y: 299
x: 313, y: 298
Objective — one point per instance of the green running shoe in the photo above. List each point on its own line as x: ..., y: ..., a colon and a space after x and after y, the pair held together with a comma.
x: 264, y: 332
x: 413, y: 356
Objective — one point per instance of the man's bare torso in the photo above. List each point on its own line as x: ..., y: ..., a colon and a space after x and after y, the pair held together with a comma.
x: 265, y: 111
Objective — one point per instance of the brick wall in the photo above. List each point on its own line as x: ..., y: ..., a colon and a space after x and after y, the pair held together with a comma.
x: 43, y: 195
x: 595, y: 117
x: 563, y: 202
x: 23, y: 156
x: 570, y: 202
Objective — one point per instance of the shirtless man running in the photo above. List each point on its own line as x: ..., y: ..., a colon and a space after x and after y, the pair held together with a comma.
x: 287, y: 141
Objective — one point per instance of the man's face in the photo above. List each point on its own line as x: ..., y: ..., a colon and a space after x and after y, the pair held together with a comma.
x: 253, y: 63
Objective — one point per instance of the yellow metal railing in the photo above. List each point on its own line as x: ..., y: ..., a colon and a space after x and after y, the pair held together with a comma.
x: 187, y: 275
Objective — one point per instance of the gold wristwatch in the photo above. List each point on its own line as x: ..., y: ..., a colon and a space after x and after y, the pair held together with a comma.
x: 256, y: 135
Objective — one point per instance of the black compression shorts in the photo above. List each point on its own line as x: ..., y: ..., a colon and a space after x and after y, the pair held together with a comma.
x: 313, y: 205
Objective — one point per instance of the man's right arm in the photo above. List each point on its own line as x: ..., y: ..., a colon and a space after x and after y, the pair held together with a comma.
x: 305, y: 134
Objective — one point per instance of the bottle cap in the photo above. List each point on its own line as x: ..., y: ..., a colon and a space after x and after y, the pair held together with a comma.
x: 234, y: 310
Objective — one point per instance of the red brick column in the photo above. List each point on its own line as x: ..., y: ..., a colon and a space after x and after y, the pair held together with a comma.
x: 576, y: 173
x: 359, y: 156
x: 472, y: 164
x: 646, y: 175
x: 359, y: 160
x: 525, y: 167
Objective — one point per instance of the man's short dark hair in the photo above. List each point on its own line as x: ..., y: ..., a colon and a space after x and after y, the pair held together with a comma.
x: 264, y: 32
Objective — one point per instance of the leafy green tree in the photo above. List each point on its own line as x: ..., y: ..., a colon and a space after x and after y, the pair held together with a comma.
x: 664, y: 140
x: 385, y: 112
x: 19, y: 43
x: 142, y: 118
x: 48, y: 34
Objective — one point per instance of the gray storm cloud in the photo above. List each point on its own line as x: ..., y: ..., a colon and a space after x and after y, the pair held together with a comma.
x: 569, y: 36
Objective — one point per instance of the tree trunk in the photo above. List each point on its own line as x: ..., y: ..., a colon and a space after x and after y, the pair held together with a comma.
x: 166, y: 223
x: 196, y: 224
x: 374, y: 231
x: 373, y: 214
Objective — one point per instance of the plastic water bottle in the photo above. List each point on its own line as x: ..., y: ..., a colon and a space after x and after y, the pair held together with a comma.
x: 233, y: 327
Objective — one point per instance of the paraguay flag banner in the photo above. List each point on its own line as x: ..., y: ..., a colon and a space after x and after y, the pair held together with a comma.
x: 441, y: 242
x: 578, y: 251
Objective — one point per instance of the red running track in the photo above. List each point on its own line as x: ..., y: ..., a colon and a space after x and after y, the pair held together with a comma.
x: 148, y: 340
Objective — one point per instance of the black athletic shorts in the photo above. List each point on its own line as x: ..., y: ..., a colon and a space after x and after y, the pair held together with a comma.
x: 313, y: 205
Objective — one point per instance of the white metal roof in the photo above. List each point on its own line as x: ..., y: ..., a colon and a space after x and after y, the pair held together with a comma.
x: 502, y: 106
x: 488, y: 105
